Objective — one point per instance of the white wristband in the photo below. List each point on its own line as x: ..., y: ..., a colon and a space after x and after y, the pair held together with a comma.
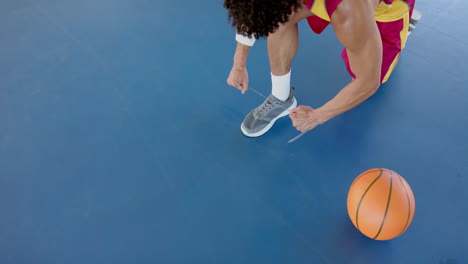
x: 248, y: 41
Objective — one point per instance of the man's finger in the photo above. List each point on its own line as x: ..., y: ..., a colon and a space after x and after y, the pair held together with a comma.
x: 238, y: 86
x: 245, y: 87
x: 300, y: 115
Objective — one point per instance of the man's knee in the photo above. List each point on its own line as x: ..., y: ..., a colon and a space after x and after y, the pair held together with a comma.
x: 300, y: 14
x: 293, y: 19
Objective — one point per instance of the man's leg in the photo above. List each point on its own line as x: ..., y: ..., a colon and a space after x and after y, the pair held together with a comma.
x: 282, y: 47
x: 394, y: 33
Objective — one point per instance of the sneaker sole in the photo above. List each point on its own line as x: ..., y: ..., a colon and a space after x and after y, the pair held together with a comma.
x: 272, y: 122
x: 417, y: 15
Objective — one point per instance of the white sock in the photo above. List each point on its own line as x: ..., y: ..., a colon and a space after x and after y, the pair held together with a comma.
x: 281, y: 86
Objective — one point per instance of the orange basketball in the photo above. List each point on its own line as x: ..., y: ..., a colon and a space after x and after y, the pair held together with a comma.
x: 381, y: 204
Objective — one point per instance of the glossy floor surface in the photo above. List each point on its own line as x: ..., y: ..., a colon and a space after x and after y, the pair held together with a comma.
x: 120, y: 141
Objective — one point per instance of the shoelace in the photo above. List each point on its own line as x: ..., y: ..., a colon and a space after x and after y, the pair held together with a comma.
x: 266, y: 108
x: 291, y: 140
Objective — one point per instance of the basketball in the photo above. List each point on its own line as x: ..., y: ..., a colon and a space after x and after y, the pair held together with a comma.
x: 381, y: 204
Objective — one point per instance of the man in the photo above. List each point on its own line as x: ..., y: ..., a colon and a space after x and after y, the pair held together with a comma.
x: 373, y: 32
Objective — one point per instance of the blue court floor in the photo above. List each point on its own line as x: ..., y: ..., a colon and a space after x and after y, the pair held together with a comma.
x: 120, y: 141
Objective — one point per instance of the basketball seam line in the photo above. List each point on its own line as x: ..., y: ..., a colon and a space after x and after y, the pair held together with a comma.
x: 388, y: 205
x: 362, y: 198
x: 409, y: 207
x: 370, y: 171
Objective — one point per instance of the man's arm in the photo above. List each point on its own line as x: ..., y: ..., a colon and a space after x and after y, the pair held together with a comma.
x: 240, y: 56
x: 355, y: 27
x: 242, y: 50
x: 238, y: 76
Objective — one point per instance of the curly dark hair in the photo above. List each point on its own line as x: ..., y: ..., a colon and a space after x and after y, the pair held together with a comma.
x: 259, y: 18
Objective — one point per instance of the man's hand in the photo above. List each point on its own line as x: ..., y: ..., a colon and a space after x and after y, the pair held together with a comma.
x: 239, y: 78
x: 304, y: 118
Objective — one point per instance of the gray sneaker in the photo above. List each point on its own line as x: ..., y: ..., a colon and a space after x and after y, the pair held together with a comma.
x: 415, y: 17
x: 262, y: 118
